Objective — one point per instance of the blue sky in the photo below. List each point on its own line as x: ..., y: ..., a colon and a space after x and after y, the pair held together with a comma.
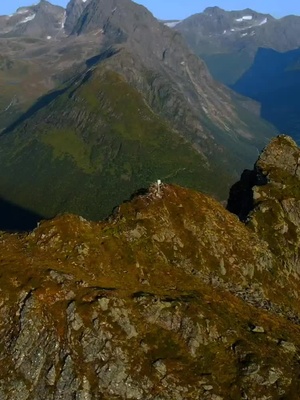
x: 178, y: 9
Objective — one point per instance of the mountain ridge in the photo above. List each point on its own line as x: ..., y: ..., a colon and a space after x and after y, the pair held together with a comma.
x: 235, y: 32
x: 172, y: 297
x: 253, y: 54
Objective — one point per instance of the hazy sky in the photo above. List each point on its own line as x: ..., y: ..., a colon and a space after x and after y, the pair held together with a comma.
x: 177, y: 9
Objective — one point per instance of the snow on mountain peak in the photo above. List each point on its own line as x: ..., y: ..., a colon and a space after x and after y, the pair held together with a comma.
x: 264, y: 21
x: 64, y: 19
x: 171, y: 24
x: 27, y: 19
x: 22, y: 11
x: 244, y: 18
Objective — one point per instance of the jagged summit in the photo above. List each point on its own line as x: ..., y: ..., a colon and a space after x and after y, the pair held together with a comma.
x: 118, y: 18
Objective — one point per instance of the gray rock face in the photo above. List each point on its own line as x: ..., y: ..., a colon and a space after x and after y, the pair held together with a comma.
x: 85, y: 361
x: 271, y: 197
x: 95, y: 360
x: 43, y: 21
x: 74, y: 11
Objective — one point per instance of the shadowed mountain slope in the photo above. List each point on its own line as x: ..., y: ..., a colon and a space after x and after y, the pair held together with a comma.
x: 228, y: 40
x: 254, y: 54
x: 274, y: 81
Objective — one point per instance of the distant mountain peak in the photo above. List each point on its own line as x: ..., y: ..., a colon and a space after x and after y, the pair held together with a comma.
x: 212, y: 10
x: 42, y: 20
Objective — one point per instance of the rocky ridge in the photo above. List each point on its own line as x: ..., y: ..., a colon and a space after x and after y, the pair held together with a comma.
x: 171, y: 298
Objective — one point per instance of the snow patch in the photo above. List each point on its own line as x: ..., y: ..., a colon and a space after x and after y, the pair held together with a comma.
x: 172, y: 24
x: 49, y: 37
x: 27, y: 19
x: 84, y: 1
x: 225, y: 31
x: 264, y: 21
x: 23, y: 11
x: 64, y: 20
x: 244, y: 34
x: 244, y: 18
x: 252, y: 33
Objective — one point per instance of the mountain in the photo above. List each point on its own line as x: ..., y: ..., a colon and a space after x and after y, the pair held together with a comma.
x: 254, y: 54
x: 228, y: 40
x: 274, y: 81
x: 43, y: 20
x: 74, y: 11
x: 30, y: 61
x: 171, y: 298
x: 130, y: 104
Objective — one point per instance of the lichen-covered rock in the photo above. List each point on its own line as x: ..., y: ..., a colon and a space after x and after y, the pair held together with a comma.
x: 171, y: 298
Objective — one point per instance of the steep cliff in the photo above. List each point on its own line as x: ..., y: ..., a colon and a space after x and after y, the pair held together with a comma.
x: 171, y: 298
x: 270, y: 197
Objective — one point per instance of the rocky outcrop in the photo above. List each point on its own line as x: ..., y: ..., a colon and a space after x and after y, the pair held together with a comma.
x: 272, y: 189
x: 171, y: 298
